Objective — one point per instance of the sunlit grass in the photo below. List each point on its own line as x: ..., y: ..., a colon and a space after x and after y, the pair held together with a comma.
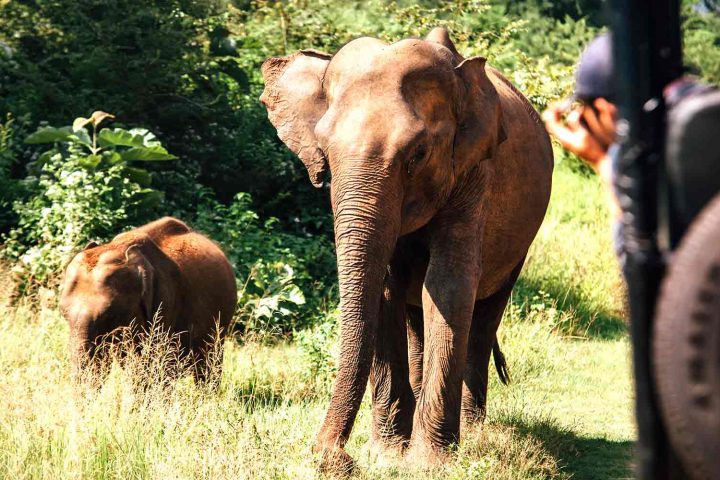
x: 572, y: 260
x: 567, y: 413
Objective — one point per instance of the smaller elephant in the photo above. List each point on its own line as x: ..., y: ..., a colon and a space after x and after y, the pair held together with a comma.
x: 162, y: 267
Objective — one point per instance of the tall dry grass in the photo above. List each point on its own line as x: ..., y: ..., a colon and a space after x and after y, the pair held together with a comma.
x: 566, y: 415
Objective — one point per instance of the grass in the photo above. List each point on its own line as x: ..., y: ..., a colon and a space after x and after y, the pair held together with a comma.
x: 567, y: 413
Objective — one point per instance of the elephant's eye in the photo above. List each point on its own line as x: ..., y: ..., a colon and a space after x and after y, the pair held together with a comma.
x: 417, y: 157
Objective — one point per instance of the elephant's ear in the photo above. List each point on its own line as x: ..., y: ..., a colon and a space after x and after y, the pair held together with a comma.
x: 441, y: 35
x: 480, y: 123
x: 135, y: 258
x: 295, y: 102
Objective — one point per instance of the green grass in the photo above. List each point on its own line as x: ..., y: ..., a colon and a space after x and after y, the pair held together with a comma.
x: 567, y: 413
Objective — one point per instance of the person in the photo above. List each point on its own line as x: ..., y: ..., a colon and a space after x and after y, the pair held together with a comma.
x: 585, y: 124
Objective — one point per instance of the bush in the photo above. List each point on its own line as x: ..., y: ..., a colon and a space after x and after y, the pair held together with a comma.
x: 84, y: 187
x: 171, y: 65
x: 189, y: 71
x: 9, y: 188
x: 285, y: 281
x: 701, y: 41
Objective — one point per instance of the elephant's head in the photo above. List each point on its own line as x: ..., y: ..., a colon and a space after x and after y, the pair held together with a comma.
x: 105, y: 288
x: 397, y: 126
x: 408, y: 118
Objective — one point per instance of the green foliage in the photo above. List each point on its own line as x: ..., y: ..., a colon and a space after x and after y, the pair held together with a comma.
x: 171, y: 65
x: 284, y: 280
x: 701, y: 42
x: 9, y: 188
x: 520, y: 47
x: 84, y: 187
x: 189, y: 71
x: 319, y: 345
x: 559, y: 9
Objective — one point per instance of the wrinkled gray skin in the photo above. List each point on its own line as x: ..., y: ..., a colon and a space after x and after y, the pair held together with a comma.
x: 441, y: 175
x: 160, y: 267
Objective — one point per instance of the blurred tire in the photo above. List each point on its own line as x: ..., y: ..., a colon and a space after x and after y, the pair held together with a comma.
x: 686, y: 348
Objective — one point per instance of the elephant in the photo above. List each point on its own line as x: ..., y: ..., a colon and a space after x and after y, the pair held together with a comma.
x: 441, y: 174
x: 163, y: 267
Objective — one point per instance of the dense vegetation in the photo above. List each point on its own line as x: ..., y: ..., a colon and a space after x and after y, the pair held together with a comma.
x: 188, y: 137
x: 187, y: 71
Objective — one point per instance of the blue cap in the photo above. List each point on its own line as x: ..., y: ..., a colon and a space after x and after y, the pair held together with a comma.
x: 594, y: 76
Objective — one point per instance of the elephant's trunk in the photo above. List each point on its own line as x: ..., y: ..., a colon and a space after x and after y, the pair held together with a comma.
x: 81, y: 348
x: 366, y: 229
x: 83, y: 344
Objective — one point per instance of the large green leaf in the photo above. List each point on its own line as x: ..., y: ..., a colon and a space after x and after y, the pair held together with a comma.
x: 119, y: 137
x: 53, y: 135
x: 149, y: 138
x: 49, y: 135
x: 146, y: 154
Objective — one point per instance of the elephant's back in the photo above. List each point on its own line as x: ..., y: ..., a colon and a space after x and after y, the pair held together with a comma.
x: 519, y: 187
x: 521, y: 118
x: 207, y: 283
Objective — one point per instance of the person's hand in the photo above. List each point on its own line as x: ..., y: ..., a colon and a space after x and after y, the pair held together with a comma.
x: 590, y: 138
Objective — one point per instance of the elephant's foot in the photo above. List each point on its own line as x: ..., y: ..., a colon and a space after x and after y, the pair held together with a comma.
x: 334, y: 461
x: 424, y: 453
x: 387, y: 448
x: 472, y: 416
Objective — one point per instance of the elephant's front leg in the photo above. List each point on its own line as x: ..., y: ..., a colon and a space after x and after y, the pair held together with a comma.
x: 393, y: 402
x: 416, y: 342
x: 448, y: 297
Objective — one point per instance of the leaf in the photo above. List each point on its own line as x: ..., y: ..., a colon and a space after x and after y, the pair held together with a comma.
x: 146, y: 154
x: 234, y: 71
x: 49, y: 135
x: 81, y: 136
x: 119, y: 137
x: 295, y: 295
x: 79, y: 123
x: 99, y: 116
x: 149, y: 138
x: 90, y: 162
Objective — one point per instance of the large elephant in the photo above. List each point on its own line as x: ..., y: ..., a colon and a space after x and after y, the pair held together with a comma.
x: 441, y: 174
x: 161, y: 267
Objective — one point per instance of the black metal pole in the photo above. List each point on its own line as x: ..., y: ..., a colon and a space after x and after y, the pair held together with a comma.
x: 646, y: 42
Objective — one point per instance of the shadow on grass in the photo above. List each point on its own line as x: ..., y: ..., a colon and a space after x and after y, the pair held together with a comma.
x: 583, y: 458
x: 588, y: 319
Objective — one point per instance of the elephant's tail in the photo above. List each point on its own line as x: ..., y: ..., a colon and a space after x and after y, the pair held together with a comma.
x: 500, y: 363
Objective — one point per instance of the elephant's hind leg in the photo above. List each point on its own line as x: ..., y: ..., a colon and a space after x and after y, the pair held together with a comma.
x: 487, y: 315
x: 393, y: 402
